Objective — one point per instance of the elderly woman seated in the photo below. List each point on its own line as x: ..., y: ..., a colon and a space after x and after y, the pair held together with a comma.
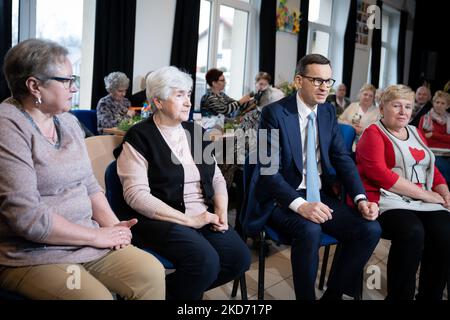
x: 59, y: 237
x: 113, y: 108
x: 398, y: 171
x: 176, y: 189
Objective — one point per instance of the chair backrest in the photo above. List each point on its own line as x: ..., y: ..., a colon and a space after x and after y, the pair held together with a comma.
x: 88, y: 118
x: 100, y: 150
x: 114, y: 191
x: 348, y: 133
x: 114, y: 195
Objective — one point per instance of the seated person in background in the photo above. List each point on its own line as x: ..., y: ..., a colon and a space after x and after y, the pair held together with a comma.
x: 292, y: 187
x: 264, y: 93
x: 398, y: 171
x: 54, y: 217
x: 249, y: 122
x: 215, y: 101
x: 363, y: 113
x: 182, y: 205
x: 339, y: 100
x: 378, y: 95
x: 113, y: 108
x: 139, y: 98
x: 421, y: 106
x: 435, y: 126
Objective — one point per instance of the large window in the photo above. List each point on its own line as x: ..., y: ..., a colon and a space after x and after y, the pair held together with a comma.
x: 389, y: 46
x: 58, y: 20
x: 320, y: 20
x: 223, y: 34
x: 15, y: 22
x: 62, y: 21
x: 390, y: 28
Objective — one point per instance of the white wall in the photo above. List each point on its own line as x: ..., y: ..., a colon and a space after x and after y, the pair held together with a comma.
x: 285, y: 57
x: 360, y: 71
x: 153, y: 41
x: 286, y: 50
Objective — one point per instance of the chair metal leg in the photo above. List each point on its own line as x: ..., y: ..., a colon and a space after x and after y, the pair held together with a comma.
x: 262, y: 266
x: 360, y: 287
x: 241, y: 281
x: 335, y: 257
x: 243, y: 284
x: 235, y: 288
x: 323, y: 271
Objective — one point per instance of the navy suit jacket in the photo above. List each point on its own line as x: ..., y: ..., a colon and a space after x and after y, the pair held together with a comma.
x: 266, y: 191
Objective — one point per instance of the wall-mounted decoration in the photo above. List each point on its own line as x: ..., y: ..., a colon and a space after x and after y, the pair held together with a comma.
x: 288, y: 21
x: 362, y: 31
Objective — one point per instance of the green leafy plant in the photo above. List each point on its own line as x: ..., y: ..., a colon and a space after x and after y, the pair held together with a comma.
x: 288, y: 88
x: 126, y: 124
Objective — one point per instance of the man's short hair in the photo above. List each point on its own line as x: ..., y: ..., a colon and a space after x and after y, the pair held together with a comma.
x: 313, y: 58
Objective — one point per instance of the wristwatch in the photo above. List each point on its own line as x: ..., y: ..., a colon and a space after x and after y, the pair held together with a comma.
x: 360, y: 199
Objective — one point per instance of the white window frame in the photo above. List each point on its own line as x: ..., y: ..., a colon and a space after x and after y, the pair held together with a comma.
x: 313, y: 26
x: 214, y: 28
x: 27, y: 30
x: 391, y: 45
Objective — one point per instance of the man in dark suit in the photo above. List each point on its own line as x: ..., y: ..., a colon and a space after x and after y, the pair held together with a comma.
x: 296, y: 201
x: 421, y: 106
x: 339, y: 100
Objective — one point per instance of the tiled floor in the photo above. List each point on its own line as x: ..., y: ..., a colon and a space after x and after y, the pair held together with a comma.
x: 278, y: 277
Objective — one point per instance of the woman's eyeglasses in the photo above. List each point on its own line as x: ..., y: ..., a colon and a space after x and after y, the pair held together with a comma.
x: 317, y: 82
x: 67, y: 82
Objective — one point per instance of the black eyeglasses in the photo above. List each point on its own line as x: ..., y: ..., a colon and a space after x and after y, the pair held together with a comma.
x: 317, y: 82
x: 67, y: 82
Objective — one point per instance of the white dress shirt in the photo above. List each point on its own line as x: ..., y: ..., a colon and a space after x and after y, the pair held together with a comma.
x: 303, y: 113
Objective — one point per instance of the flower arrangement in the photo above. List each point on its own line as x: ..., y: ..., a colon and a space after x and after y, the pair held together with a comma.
x: 288, y: 88
x: 286, y: 21
x: 126, y: 124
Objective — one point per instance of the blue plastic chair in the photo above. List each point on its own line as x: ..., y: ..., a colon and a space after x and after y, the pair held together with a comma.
x: 114, y: 195
x: 349, y: 134
x: 269, y: 233
x: 88, y: 118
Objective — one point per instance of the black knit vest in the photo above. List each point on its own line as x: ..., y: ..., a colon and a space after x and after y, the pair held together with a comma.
x: 166, y: 178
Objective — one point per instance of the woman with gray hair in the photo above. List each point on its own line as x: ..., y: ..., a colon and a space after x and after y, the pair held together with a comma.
x: 113, y: 108
x: 181, y: 203
x: 59, y: 237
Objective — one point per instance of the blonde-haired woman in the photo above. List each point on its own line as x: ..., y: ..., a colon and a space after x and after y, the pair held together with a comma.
x: 398, y: 172
x: 435, y: 126
x: 363, y: 113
